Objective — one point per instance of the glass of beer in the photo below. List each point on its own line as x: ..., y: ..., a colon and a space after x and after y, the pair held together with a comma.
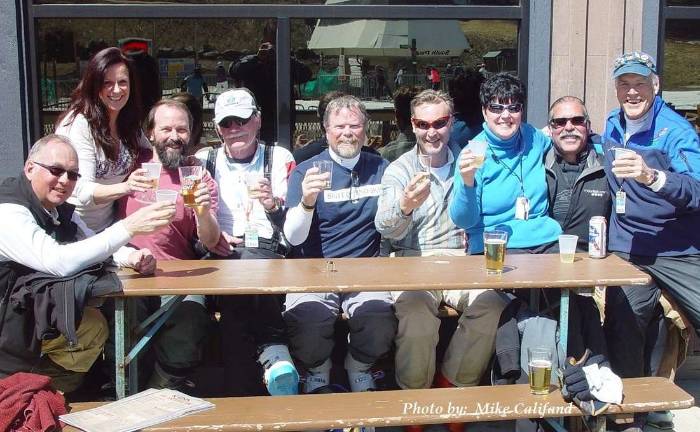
x: 325, y: 167
x: 478, y: 148
x: 539, y: 364
x: 567, y: 247
x: 190, y: 177
x: 153, y: 174
x: 495, y: 251
x: 423, y: 169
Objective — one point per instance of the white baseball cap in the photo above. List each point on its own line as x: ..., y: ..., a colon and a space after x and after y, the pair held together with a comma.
x: 237, y: 103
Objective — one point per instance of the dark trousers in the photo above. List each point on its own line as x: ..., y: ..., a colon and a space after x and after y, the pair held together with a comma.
x: 248, y: 323
x: 633, y: 313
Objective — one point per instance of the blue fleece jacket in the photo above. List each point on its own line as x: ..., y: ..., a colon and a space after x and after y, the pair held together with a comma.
x: 667, y: 222
x: 490, y: 204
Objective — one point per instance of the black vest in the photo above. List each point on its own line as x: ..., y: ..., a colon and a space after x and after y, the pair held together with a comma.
x: 18, y: 345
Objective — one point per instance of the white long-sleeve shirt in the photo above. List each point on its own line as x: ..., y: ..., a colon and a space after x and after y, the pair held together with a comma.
x: 23, y: 241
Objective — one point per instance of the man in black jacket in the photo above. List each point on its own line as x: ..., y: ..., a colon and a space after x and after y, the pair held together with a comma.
x: 40, y: 234
x: 578, y: 190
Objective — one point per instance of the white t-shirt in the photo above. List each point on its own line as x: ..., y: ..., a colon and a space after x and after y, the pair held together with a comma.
x: 234, y: 206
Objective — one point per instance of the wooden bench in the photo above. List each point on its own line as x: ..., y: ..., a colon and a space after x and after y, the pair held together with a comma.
x: 410, y: 407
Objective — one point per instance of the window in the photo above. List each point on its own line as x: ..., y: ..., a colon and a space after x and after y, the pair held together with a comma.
x: 214, y: 33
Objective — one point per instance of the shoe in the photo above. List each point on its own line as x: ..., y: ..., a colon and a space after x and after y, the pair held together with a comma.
x: 359, y: 375
x: 660, y: 419
x: 281, y: 377
x: 160, y: 379
x: 319, y: 376
x: 442, y: 382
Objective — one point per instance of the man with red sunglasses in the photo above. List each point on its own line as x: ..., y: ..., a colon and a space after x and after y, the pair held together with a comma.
x: 412, y: 215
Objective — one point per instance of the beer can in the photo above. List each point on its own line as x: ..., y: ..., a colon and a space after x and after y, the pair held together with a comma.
x: 597, y: 237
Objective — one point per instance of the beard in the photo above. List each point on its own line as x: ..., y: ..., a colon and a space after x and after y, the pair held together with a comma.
x: 170, y: 158
x: 348, y: 148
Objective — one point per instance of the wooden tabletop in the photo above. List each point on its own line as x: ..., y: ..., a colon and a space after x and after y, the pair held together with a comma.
x: 377, y: 274
x: 405, y: 407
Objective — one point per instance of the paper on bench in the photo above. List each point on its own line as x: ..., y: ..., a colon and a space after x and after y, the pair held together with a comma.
x: 138, y: 411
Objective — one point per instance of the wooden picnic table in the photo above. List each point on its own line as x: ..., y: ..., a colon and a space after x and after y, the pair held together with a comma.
x: 231, y: 277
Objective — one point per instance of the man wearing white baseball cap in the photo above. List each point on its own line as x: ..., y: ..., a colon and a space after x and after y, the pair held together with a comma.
x: 252, y: 178
x: 654, y: 178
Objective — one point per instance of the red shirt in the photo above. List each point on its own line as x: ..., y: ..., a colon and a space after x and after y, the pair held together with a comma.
x: 175, y: 240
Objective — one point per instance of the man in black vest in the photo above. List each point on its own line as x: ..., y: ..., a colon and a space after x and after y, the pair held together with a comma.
x: 41, y: 233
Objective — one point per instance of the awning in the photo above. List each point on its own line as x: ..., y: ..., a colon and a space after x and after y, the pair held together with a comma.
x: 377, y: 38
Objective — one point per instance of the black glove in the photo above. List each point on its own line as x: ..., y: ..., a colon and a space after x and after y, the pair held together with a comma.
x: 574, y: 386
x: 574, y: 383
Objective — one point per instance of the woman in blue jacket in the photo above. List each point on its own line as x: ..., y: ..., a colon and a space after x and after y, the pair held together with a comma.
x: 509, y: 191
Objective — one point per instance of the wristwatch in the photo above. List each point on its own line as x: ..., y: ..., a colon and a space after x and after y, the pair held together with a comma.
x: 275, y: 208
x: 654, y: 178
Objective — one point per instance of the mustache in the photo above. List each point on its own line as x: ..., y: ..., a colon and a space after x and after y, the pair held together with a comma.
x: 571, y: 135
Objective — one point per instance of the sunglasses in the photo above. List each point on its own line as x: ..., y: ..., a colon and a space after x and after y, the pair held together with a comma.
x: 560, y: 122
x: 58, y: 171
x: 425, y: 125
x: 229, y: 121
x: 497, y: 108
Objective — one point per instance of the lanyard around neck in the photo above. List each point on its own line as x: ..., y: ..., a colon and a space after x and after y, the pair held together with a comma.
x: 519, y: 161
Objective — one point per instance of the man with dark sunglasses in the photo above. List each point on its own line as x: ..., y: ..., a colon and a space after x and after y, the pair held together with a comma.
x: 575, y: 177
x: 42, y: 233
x: 578, y: 191
x: 252, y: 178
x: 652, y: 161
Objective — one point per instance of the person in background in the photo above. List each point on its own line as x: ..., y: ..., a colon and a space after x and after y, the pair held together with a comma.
x: 103, y: 123
x: 468, y: 120
x: 197, y: 113
x: 406, y: 139
x: 195, y: 84
x: 258, y: 73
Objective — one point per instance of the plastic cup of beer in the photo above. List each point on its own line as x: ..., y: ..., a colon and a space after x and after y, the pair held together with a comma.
x: 190, y: 177
x: 424, y: 163
x: 166, y: 195
x: 252, y: 183
x: 325, y: 167
x: 153, y: 175
x: 478, y: 148
x: 621, y: 151
x: 567, y: 247
x: 495, y: 251
x: 539, y: 365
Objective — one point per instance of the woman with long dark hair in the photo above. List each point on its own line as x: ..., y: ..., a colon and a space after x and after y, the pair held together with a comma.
x: 103, y: 124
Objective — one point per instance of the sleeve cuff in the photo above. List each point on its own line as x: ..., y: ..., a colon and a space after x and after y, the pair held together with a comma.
x: 660, y: 181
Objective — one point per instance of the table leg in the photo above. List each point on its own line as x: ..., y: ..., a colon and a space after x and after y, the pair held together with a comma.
x: 121, y: 341
x: 133, y: 377
x: 563, y: 322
